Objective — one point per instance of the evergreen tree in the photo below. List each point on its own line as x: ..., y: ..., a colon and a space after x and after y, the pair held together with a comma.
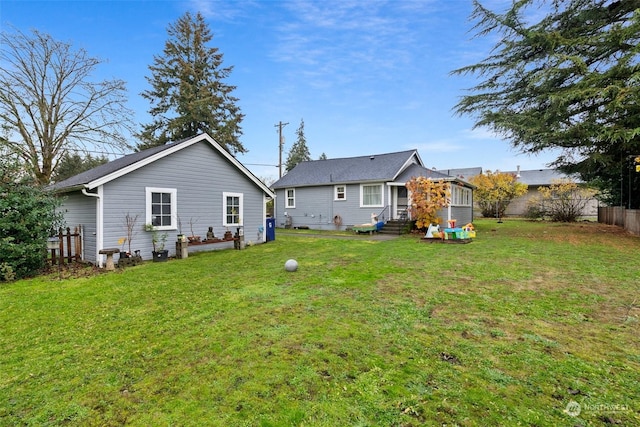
x: 566, y: 80
x: 299, y: 151
x: 323, y: 156
x: 188, y: 92
x: 73, y: 164
x: 27, y: 218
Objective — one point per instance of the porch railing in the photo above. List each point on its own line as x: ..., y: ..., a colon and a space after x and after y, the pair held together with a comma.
x: 385, y: 214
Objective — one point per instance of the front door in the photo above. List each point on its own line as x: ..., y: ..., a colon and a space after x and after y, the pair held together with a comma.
x: 401, y: 202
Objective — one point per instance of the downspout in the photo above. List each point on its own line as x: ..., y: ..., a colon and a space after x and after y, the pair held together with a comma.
x: 98, y: 197
x: 451, y: 201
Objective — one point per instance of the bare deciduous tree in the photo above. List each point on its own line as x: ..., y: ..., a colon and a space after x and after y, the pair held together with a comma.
x: 49, y: 104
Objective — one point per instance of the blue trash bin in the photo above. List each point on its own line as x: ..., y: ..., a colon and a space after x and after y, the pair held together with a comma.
x: 271, y: 229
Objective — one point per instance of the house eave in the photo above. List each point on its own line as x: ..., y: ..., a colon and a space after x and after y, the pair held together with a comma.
x: 179, y: 146
x: 324, y: 184
x: 70, y: 189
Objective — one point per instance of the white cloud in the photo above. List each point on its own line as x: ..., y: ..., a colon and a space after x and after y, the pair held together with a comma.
x: 222, y: 10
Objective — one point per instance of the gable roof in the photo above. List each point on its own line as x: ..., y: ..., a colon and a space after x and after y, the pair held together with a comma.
x: 541, y: 176
x: 417, y: 170
x: 377, y: 167
x: 463, y: 173
x: 104, y: 173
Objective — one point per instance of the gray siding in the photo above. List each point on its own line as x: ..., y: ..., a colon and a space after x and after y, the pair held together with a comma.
x: 462, y: 215
x: 79, y: 209
x: 200, y: 176
x: 316, y: 208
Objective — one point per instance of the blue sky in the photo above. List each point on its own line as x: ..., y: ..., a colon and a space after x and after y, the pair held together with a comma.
x: 367, y: 77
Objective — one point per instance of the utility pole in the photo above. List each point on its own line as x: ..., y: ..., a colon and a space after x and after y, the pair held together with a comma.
x: 280, y: 125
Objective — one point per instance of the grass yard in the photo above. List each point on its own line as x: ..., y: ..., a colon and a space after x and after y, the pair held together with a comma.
x: 532, y: 324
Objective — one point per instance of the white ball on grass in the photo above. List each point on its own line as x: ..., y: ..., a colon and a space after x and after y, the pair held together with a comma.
x: 291, y: 265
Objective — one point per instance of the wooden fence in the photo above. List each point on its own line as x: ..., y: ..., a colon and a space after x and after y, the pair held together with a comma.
x: 629, y: 219
x: 69, y: 246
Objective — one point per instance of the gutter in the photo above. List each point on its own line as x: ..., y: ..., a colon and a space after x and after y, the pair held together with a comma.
x: 98, y: 233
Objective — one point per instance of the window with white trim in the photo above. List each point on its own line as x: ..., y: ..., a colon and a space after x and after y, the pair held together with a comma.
x: 371, y: 195
x: 291, y: 197
x: 232, y: 207
x: 161, y: 207
x: 340, y: 192
x: 461, y: 196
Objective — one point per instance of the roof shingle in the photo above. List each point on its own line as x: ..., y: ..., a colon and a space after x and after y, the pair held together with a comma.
x: 378, y: 167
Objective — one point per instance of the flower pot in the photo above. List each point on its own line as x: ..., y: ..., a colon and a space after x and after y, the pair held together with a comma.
x: 228, y: 235
x: 194, y: 239
x: 160, y: 256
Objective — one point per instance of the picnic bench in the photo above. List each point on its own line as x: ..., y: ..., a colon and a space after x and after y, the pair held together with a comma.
x: 368, y: 228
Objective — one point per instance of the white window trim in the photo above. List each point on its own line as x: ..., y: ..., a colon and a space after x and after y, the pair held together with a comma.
x: 459, y: 194
x: 174, y: 207
x: 286, y: 198
x: 362, y: 205
x: 224, y: 209
x: 335, y: 193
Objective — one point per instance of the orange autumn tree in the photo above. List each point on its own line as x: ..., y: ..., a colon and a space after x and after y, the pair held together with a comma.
x: 495, y: 190
x: 427, y: 198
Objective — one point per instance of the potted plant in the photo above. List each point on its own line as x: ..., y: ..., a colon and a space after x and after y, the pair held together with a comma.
x: 129, y: 257
x: 193, y: 238
x: 130, y: 222
x: 228, y: 235
x: 181, y: 237
x: 122, y: 253
x: 158, y: 241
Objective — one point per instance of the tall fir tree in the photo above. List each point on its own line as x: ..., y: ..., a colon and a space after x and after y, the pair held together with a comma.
x: 299, y: 151
x: 189, y: 95
x: 565, y: 79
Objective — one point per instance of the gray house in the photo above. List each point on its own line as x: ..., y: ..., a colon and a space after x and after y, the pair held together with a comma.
x: 344, y: 192
x: 193, y: 182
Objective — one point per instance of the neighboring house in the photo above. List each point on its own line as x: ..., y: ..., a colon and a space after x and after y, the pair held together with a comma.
x: 193, y: 180
x: 535, y: 179
x: 464, y: 174
x: 341, y: 193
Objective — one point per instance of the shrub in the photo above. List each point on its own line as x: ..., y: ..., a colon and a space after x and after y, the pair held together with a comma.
x: 27, y: 220
x: 535, y: 209
x: 427, y: 198
x: 563, y: 201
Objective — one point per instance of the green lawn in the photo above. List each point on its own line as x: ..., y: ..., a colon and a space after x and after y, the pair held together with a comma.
x: 507, y: 330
